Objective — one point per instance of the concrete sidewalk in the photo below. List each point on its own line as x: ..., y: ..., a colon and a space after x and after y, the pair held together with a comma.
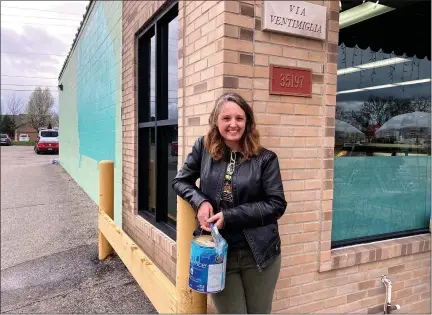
x: 49, y: 260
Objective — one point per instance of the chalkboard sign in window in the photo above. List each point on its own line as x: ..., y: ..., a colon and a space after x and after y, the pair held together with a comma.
x: 382, y: 167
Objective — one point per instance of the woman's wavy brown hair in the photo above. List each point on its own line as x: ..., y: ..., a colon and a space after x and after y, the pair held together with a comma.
x: 250, y: 141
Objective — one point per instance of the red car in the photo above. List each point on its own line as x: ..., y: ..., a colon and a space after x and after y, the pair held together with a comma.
x: 47, y: 141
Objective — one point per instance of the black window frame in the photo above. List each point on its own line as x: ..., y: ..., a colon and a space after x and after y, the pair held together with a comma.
x: 157, y: 27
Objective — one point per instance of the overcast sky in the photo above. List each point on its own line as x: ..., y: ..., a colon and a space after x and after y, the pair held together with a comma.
x: 30, y: 43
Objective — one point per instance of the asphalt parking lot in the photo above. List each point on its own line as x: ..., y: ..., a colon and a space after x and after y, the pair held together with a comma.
x: 49, y: 258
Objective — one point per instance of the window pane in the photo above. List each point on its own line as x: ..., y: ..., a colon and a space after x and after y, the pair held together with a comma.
x: 172, y: 69
x: 382, y: 144
x: 152, y: 78
x: 152, y: 170
x: 146, y: 168
x: 171, y: 138
x: 146, y: 77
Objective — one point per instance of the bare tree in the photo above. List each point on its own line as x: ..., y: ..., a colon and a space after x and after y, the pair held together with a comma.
x: 421, y: 104
x: 14, y: 105
x: 378, y: 110
x: 38, y: 111
x: 55, y: 118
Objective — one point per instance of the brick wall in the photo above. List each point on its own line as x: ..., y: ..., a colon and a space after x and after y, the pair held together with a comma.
x: 222, y: 48
x: 200, y: 72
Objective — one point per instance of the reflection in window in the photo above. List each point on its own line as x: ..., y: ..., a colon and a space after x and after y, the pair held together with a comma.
x: 152, y: 169
x: 147, y: 196
x: 152, y: 77
x: 382, y: 146
x: 170, y: 142
x: 170, y: 132
x: 173, y: 69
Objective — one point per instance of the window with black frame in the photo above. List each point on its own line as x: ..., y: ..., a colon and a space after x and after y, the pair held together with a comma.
x: 382, y: 164
x: 158, y: 119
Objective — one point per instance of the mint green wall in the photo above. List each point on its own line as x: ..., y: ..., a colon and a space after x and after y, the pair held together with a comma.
x: 90, y: 103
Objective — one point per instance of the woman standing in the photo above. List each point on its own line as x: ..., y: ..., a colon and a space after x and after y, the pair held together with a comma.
x: 241, y: 192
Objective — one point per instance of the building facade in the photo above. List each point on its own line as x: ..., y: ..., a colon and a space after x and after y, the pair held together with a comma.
x: 353, y: 145
x: 23, y: 128
x: 91, y: 99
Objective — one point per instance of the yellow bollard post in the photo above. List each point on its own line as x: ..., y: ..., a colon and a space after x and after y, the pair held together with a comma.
x: 106, y: 202
x: 188, y: 301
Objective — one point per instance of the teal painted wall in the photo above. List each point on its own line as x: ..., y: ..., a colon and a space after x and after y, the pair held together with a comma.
x: 91, y: 100
x: 377, y: 195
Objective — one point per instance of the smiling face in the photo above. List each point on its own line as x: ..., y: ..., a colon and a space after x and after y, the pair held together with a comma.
x: 231, y: 124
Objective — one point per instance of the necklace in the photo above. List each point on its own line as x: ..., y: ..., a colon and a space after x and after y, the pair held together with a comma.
x: 231, y: 166
x: 227, y: 189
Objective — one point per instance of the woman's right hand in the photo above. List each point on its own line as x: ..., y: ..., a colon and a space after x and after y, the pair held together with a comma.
x: 205, y: 211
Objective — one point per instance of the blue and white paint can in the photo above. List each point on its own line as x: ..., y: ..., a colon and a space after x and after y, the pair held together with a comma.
x: 207, y: 269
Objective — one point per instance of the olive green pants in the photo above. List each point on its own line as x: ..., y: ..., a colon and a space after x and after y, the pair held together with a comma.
x: 247, y: 290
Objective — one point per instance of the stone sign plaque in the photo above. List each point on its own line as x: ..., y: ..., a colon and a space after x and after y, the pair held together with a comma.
x: 290, y: 81
x: 298, y: 18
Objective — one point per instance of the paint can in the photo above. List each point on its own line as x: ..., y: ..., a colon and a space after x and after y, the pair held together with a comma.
x: 207, y: 269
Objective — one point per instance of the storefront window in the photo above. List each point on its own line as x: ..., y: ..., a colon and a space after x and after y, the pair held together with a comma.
x: 382, y: 167
x: 158, y: 119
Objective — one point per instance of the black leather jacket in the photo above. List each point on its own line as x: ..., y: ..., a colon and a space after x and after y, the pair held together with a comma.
x: 259, y: 199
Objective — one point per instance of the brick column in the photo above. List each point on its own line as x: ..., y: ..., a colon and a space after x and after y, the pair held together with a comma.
x: 299, y: 129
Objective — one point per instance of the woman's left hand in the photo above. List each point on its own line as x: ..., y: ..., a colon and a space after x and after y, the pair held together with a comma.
x: 217, y: 219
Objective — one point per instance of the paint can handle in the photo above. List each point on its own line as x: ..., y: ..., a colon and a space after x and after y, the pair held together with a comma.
x: 218, y: 239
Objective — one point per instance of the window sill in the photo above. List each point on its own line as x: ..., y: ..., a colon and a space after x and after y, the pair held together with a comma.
x: 165, y: 228
x: 362, y: 254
